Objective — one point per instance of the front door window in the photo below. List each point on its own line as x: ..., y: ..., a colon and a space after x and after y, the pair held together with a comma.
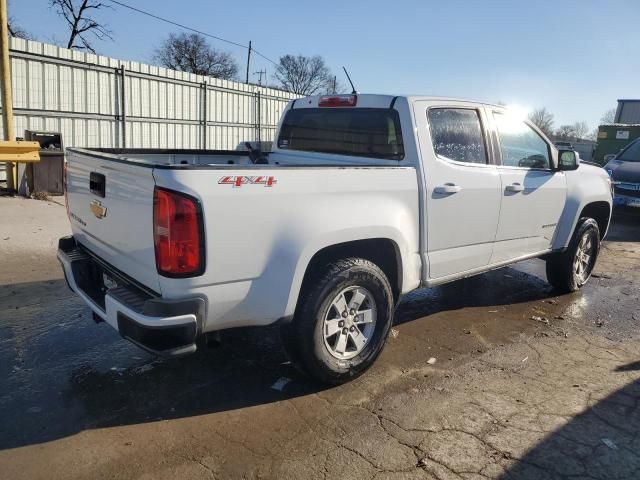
x: 520, y: 144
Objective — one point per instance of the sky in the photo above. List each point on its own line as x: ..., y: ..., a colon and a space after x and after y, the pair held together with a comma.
x: 574, y: 57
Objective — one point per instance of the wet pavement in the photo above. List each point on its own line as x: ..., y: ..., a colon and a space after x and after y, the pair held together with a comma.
x: 77, y: 401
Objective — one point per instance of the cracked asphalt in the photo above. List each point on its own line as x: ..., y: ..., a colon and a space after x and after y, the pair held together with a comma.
x: 526, y: 384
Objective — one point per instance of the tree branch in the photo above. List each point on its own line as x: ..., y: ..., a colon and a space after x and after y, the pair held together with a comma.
x: 79, y: 22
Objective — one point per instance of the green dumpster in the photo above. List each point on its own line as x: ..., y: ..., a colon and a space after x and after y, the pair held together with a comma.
x: 613, y: 138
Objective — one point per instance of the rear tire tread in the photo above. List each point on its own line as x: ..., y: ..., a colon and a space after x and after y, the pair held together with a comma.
x: 298, y: 334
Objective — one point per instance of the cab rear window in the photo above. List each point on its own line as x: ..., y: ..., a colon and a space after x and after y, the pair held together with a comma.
x: 362, y: 132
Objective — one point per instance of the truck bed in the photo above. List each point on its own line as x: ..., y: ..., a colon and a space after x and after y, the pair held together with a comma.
x: 204, y: 159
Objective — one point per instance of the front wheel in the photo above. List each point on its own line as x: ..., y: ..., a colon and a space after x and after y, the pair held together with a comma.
x: 570, y: 270
x: 342, y: 321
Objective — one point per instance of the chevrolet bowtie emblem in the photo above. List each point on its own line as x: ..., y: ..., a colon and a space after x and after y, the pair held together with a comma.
x: 97, y: 209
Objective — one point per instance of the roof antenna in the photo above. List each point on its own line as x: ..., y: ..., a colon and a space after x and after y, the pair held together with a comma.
x: 353, y: 89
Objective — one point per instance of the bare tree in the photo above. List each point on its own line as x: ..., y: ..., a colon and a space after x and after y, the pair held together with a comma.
x: 304, y: 75
x: 17, y: 31
x: 609, y: 116
x: 565, y: 132
x: 190, y: 52
x: 580, y: 130
x: 543, y: 119
x: 77, y: 14
x: 576, y: 131
x: 593, y: 135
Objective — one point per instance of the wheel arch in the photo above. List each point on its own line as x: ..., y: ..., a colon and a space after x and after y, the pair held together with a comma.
x: 597, y: 207
x: 384, y: 252
x: 600, y: 211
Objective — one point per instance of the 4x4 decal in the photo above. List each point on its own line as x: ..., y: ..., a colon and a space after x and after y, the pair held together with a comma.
x: 238, y: 181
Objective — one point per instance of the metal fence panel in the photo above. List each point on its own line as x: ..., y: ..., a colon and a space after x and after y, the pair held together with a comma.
x: 81, y: 95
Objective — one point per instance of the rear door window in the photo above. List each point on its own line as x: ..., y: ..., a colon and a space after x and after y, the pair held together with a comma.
x: 456, y: 134
x: 362, y: 132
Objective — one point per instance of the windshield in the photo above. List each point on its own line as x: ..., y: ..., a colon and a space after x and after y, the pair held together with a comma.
x: 363, y: 132
x: 631, y: 153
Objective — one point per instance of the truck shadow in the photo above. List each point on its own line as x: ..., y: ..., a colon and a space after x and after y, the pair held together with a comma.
x: 600, y: 443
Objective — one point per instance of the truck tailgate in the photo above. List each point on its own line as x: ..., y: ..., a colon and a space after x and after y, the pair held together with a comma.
x: 110, y: 208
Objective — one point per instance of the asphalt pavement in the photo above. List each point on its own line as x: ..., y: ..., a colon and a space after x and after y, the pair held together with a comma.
x: 525, y: 383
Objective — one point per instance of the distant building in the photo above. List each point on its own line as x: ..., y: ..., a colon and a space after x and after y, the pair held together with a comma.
x: 628, y: 112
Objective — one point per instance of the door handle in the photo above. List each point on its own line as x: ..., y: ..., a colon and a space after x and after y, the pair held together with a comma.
x: 447, y: 188
x: 515, y: 187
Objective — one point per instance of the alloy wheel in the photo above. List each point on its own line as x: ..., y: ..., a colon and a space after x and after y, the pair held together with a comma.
x: 349, y: 322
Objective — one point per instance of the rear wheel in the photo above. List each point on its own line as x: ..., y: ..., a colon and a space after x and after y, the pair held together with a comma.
x: 342, y: 321
x: 570, y: 270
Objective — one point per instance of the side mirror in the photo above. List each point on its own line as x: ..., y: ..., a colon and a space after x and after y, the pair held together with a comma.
x: 568, y: 160
x: 609, y: 157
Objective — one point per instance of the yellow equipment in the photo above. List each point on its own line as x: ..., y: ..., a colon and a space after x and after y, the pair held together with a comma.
x: 11, y: 151
x: 19, y: 151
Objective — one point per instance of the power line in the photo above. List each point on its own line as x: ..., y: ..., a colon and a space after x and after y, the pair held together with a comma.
x: 266, y: 58
x: 177, y: 24
x: 191, y: 29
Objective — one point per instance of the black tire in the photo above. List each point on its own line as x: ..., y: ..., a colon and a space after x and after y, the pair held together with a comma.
x: 561, y: 267
x: 304, y: 337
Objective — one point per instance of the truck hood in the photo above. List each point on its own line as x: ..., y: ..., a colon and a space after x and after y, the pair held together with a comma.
x: 624, y: 171
x: 593, y: 169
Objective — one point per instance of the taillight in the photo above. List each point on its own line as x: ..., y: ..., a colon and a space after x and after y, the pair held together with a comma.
x: 178, y: 234
x: 338, y: 101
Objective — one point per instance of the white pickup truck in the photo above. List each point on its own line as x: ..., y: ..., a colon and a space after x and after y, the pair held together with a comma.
x: 362, y: 199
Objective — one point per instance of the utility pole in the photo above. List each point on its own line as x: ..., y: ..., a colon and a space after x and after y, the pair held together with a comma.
x: 260, y: 73
x: 334, y: 84
x: 7, y: 101
x: 248, y: 61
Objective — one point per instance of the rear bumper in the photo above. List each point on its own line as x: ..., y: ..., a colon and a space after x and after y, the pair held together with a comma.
x: 164, y: 327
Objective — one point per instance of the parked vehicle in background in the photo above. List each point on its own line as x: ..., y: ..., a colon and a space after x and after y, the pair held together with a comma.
x: 586, y: 150
x: 363, y: 199
x: 564, y: 145
x: 624, y: 170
